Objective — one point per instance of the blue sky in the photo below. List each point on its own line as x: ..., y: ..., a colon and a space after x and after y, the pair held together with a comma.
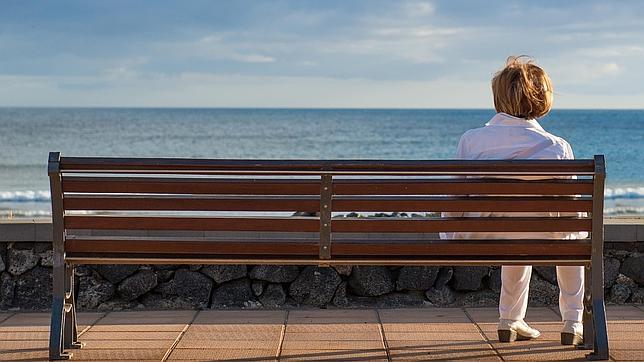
x: 334, y: 53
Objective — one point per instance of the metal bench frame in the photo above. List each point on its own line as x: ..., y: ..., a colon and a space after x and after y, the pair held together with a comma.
x: 495, y: 182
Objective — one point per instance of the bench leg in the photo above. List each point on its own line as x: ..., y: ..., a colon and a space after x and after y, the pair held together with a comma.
x: 589, y: 329
x: 58, y: 314
x: 600, y: 327
x: 70, y: 327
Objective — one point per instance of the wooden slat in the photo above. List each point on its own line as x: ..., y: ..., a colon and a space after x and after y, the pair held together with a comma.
x: 349, y: 247
x: 185, y: 203
x: 169, y: 165
x: 461, y: 187
x: 194, y: 247
x: 286, y: 224
x: 501, y: 204
x: 484, y: 224
x: 462, y: 247
x: 245, y: 186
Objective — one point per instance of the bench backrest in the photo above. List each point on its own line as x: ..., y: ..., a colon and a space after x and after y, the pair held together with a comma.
x: 240, y: 211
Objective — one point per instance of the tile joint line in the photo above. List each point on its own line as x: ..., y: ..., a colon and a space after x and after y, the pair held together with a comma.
x: 282, y: 335
x: 9, y: 316
x: 93, y: 324
x: 487, y: 340
x: 181, y: 334
x: 383, y: 338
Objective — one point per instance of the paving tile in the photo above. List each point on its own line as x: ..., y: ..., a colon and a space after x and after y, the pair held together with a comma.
x: 24, y: 335
x: 223, y: 354
x: 331, y: 328
x: 119, y: 354
x: 332, y: 345
x: 367, y: 314
x: 624, y: 313
x: 229, y: 344
x: 126, y: 343
x: 441, y: 350
x: 4, y: 316
x: 447, y: 315
x: 36, y: 354
x: 85, y: 319
x: 433, y: 336
x: 540, y: 350
x: 534, y: 314
x: 26, y: 322
x: 333, y: 355
x: 223, y: 328
x: 89, y: 335
x: 138, y: 327
x: 246, y: 335
x: 341, y: 336
x: 627, y: 355
x: 234, y: 316
x: 429, y: 327
x: 10, y: 345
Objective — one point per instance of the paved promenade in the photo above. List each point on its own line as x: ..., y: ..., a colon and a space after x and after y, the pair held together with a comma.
x: 298, y: 335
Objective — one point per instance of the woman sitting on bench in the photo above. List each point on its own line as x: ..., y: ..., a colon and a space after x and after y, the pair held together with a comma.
x: 522, y: 94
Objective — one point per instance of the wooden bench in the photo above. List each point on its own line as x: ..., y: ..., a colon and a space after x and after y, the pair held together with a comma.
x: 168, y: 211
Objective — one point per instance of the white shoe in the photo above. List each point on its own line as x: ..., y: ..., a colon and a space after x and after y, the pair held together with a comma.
x: 572, y: 333
x: 516, y: 330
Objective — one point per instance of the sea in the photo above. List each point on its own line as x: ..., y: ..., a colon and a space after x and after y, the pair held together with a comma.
x: 27, y: 135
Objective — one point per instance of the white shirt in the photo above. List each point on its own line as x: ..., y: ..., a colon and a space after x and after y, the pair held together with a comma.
x: 508, y: 137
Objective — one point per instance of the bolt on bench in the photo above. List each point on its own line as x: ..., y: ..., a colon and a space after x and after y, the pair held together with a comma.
x: 198, y: 211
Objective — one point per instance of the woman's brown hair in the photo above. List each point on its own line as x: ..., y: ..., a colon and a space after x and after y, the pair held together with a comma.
x: 522, y: 89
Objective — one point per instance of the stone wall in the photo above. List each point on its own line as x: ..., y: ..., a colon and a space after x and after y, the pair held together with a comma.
x: 25, y: 281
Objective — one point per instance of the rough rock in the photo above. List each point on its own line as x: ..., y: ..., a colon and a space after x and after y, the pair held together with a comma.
x: 194, y: 267
x: 156, y: 301
x: 116, y: 273
x: 633, y: 267
x: 7, y: 288
x: 275, y: 273
x: 622, y: 289
x: 33, y: 289
x: 236, y: 293
x: 92, y: 292
x: 258, y: 286
x: 549, y: 273
x: 638, y: 296
x: 137, y: 285
x: 117, y: 304
x: 343, y: 269
x: 611, y: 271
x: 542, y: 293
x: 441, y: 296
x: 340, y: 296
x: 401, y: 300
x: 21, y: 260
x: 164, y: 275
x: 444, y: 276
x: 2, y: 265
x: 274, y: 296
x: 315, y: 286
x: 481, y: 298
x: 193, y: 286
x: 224, y: 273
x: 371, y: 281
x: 416, y: 277
x: 468, y: 278
x: 167, y: 266
x: 47, y: 258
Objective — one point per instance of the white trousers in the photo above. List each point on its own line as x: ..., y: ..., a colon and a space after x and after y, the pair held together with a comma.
x: 515, y: 282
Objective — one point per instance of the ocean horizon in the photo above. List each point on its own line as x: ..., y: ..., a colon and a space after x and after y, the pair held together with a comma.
x: 30, y: 133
